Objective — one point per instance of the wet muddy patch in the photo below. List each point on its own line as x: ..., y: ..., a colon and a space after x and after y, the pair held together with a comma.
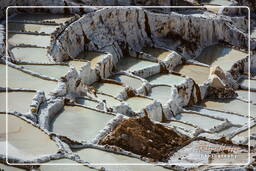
x: 142, y: 136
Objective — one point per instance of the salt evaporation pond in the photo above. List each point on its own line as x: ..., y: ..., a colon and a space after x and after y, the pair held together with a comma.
x: 109, y: 88
x: 129, y: 81
x: 138, y: 103
x: 86, y: 102
x: 79, y: 123
x: 28, y: 39
x: 157, y: 52
x: 55, y: 165
x: 221, y: 56
x: 230, y: 105
x: 16, y: 80
x: 133, y: 64
x: 31, y: 54
x: 201, y: 121
x: 110, y: 101
x: 31, y: 27
x: 26, y: 17
x: 17, y: 101
x: 161, y: 93
x: 55, y: 71
x: 198, y: 73
x: 168, y: 79
x: 24, y: 140
x: 92, y: 156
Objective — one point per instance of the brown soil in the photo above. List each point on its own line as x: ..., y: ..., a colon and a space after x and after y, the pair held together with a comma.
x: 143, y: 137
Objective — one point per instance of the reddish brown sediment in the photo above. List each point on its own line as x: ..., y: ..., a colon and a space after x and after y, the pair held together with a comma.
x: 143, y: 137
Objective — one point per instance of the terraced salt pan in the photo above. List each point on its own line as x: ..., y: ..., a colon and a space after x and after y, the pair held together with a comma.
x: 59, y: 167
x: 221, y: 56
x: 93, y: 57
x: 87, y: 102
x: 29, y: 39
x: 198, y: 152
x: 133, y: 64
x: 58, y: 18
x: 138, y: 103
x: 108, y: 88
x: 24, y: 140
x: 198, y: 73
x: 161, y: 93
x: 245, y: 95
x: 31, y: 54
x: 17, y: 101
x: 168, y: 79
x: 16, y: 80
x: 227, y: 131
x: 157, y: 52
x: 111, y: 101
x: 234, y: 119
x: 201, y: 121
x: 230, y: 105
x: 92, y: 156
x: 9, y: 168
x: 129, y: 81
x: 48, y: 29
x: 79, y: 123
x: 55, y: 71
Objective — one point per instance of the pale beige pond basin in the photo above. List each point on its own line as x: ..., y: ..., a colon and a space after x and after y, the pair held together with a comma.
x: 9, y: 168
x: 55, y: 71
x: 87, y: 102
x: 244, y: 94
x: 29, y: 39
x: 138, y: 103
x: 58, y: 167
x: 221, y: 56
x: 198, y: 73
x: 168, y: 79
x: 201, y: 121
x: 19, y: 79
x: 109, y: 88
x: 17, y: 101
x: 58, y: 18
x: 31, y: 54
x: 157, y: 52
x: 212, y: 8
x: 79, y: 123
x: 77, y: 64
x: 230, y: 106
x: 48, y: 29
x: 93, y: 57
x: 133, y: 64
x: 129, y: 81
x: 161, y: 93
x: 111, y: 101
x: 95, y: 156
x: 198, y: 152
x: 24, y: 140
